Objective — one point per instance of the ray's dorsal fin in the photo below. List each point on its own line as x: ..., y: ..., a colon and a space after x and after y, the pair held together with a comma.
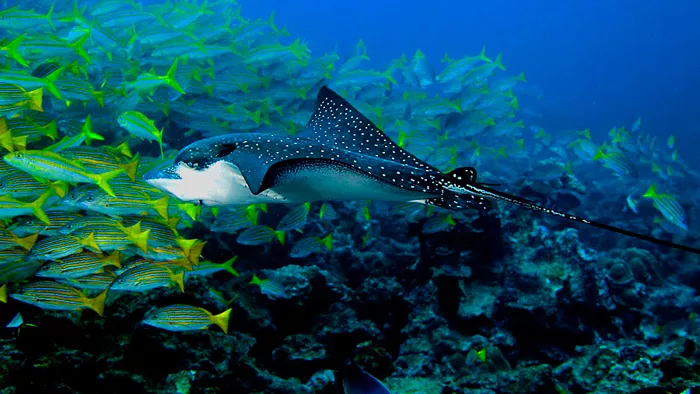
x: 337, y: 123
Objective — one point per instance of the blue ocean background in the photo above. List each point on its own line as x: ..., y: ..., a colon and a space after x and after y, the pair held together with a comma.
x: 597, y: 64
x: 330, y: 296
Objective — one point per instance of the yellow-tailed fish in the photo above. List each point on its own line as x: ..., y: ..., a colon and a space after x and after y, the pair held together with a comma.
x: 146, y: 277
x: 181, y: 317
x: 140, y: 126
x: 79, y: 265
x: 310, y: 245
x: 56, y: 296
x: 59, y: 246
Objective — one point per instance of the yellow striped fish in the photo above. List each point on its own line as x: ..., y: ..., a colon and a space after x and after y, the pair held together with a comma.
x: 56, y: 296
x: 27, y: 225
x: 185, y: 254
x: 99, y: 282
x: 19, y: 184
x: 9, y: 240
x: 113, y: 237
x: 100, y: 160
x: 144, y: 277
x: 181, y: 317
x: 60, y: 246
x: 79, y: 265
x: 18, y: 270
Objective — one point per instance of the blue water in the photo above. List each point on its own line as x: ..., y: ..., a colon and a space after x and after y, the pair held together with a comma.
x: 598, y: 63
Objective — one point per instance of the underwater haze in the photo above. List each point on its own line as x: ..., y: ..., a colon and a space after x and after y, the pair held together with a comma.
x: 594, y: 63
x: 261, y: 196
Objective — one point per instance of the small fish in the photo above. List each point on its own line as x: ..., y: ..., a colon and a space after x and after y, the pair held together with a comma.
x: 59, y: 297
x: 79, y: 265
x: 50, y: 165
x: 180, y: 317
x: 669, y: 207
x: 27, y: 225
x: 294, y: 219
x: 18, y: 270
x: 207, y: 268
x: 148, y: 82
x: 259, y: 235
x: 327, y: 212
x: 140, y: 126
x: 438, y: 223
x: 9, y: 240
x: 146, y: 277
x: 98, y: 282
x: 271, y: 288
x: 60, y: 246
x: 310, y: 245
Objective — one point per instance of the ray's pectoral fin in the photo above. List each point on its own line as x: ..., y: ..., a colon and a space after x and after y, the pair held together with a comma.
x: 253, y: 168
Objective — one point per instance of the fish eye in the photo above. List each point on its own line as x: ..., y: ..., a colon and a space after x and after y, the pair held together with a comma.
x: 90, y: 199
x: 19, y: 155
x: 73, y: 197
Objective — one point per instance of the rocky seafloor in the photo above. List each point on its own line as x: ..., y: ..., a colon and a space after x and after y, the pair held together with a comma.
x: 553, y: 316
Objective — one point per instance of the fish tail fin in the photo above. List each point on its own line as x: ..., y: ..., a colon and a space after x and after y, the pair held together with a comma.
x: 228, y: 266
x: 327, y: 241
x: 50, y: 82
x: 388, y: 72
x: 222, y: 319
x: 161, y: 207
x: 178, y: 279
x: 87, y: 132
x: 114, y: 259
x: 38, y: 206
x: 137, y: 237
x: 131, y: 167
x: 36, y: 97
x: 13, y: 50
x: 482, y: 55
x: 498, y: 62
x: 123, y: 149
x: 79, y: 47
x: 651, y: 192
x: 102, y: 180
x: 97, y: 304
x: 279, y: 234
x: 27, y: 242
x: 51, y: 130
x: 477, y: 191
x: 48, y: 17
x: 90, y: 242
x: 3, y: 293
x: 59, y: 187
x: 196, y: 252
x: 170, y: 78
x: 99, y: 97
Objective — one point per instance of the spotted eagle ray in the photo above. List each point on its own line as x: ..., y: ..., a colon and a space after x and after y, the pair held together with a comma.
x: 339, y: 155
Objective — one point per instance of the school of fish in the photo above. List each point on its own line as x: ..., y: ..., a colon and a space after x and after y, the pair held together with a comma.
x: 93, y: 96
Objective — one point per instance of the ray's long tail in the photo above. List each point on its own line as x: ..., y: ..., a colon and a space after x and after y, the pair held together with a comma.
x: 480, y: 190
